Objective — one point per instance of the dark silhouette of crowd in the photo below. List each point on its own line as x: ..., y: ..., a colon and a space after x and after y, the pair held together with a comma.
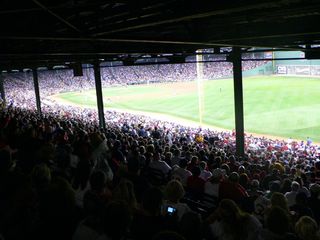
x: 62, y: 177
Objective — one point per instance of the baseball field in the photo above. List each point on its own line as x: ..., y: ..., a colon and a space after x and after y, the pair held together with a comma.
x: 273, y: 105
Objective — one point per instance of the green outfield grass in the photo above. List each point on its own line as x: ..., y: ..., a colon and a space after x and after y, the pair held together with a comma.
x: 279, y: 106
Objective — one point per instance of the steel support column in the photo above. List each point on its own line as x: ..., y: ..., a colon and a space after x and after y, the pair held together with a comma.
x: 238, y: 100
x: 36, y: 89
x: 97, y: 80
x: 2, y: 92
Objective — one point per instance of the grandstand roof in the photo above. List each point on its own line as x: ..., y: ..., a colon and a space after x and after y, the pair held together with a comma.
x: 45, y: 31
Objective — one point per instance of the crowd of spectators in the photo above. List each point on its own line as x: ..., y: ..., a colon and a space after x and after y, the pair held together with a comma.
x: 62, y: 177
x: 19, y: 88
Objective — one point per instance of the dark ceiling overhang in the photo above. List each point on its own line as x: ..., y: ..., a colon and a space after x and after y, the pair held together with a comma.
x: 45, y: 31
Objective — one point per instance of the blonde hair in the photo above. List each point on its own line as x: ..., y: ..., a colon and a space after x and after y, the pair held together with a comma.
x: 174, y: 191
x: 307, y: 228
x: 278, y: 199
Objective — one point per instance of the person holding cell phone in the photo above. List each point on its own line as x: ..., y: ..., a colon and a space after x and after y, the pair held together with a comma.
x: 172, y: 206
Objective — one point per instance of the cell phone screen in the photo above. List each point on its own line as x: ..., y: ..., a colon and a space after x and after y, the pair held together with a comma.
x: 171, y: 210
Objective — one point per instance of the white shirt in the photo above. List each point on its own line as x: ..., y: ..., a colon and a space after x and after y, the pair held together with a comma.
x: 182, y: 174
x: 211, y: 189
x: 160, y: 165
x: 205, y: 175
x: 291, y: 197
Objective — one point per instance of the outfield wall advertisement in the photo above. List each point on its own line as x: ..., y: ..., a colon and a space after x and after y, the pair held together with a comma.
x: 304, y: 70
